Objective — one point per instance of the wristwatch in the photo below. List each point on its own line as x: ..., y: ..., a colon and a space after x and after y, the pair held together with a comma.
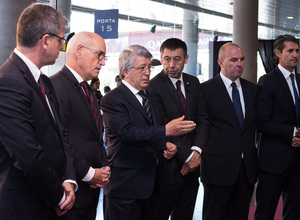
x: 297, y: 132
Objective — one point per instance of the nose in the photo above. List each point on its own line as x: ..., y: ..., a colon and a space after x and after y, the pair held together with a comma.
x: 172, y: 63
x: 102, y: 62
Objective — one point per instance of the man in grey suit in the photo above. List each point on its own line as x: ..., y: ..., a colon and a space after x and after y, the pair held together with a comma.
x: 81, y: 119
x: 179, y: 95
x: 229, y: 162
x: 278, y: 120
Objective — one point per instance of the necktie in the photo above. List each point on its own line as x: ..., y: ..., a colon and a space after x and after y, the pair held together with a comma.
x: 296, y: 96
x: 146, y: 104
x: 90, y: 97
x: 181, y: 96
x: 237, y: 103
x: 41, y: 84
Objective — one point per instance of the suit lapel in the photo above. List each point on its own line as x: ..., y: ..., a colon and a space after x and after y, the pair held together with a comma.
x: 132, y: 100
x: 31, y: 81
x: 172, y: 91
x: 81, y: 95
x: 284, y: 85
x: 225, y: 98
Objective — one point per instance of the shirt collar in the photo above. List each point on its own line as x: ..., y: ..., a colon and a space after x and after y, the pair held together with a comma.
x: 228, y: 82
x: 35, y: 71
x: 130, y: 87
x: 174, y: 80
x: 284, y: 71
x: 75, y: 74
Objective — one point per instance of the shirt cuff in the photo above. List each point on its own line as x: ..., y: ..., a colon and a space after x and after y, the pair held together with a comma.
x: 62, y: 199
x: 89, y: 175
x: 73, y: 182
x: 196, y: 149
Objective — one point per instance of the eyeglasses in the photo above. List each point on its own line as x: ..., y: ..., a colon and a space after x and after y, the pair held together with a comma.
x: 62, y: 40
x: 99, y: 53
x: 176, y: 60
x: 143, y: 69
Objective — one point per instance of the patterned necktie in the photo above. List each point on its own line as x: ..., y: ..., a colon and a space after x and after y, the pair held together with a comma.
x: 146, y: 104
x: 181, y: 96
x: 41, y: 84
x: 90, y: 97
x: 237, y: 103
x: 296, y: 96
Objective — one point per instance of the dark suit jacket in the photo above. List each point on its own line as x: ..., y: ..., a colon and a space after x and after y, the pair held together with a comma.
x: 227, y: 141
x: 171, y: 108
x: 132, y: 144
x: 33, y: 159
x: 277, y: 119
x: 78, y: 121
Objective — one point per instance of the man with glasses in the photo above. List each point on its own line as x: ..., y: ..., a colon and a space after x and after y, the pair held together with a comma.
x: 81, y: 118
x: 179, y: 95
x: 36, y: 169
x: 135, y: 133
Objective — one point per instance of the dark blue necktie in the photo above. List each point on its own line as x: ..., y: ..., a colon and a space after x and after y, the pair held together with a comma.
x: 237, y: 103
x: 296, y: 96
x: 146, y: 104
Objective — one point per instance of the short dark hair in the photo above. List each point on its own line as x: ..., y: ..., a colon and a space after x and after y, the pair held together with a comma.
x: 279, y: 44
x: 36, y: 20
x: 93, y: 81
x: 173, y: 44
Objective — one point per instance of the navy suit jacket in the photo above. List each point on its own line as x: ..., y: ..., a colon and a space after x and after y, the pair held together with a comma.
x: 227, y: 141
x: 171, y: 108
x: 80, y: 125
x: 34, y: 155
x: 132, y: 144
x: 277, y: 119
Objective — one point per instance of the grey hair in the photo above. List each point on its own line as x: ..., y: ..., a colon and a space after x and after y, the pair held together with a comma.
x: 128, y: 56
x: 37, y: 20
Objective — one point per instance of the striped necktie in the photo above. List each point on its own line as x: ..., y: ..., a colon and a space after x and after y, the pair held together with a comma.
x: 146, y: 104
x: 181, y: 96
x: 296, y: 96
x: 90, y: 98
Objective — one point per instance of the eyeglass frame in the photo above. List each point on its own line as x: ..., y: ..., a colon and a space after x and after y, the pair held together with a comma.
x: 99, y: 53
x: 62, y: 40
x: 143, y: 69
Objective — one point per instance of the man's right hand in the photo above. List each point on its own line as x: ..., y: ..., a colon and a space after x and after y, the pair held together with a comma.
x: 179, y: 126
x: 100, y: 178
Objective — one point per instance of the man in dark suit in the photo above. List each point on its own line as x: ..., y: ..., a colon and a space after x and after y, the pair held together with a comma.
x: 229, y: 162
x: 278, y: 122
x: 178, y: 177
x: 36, y: 169
x: 80, y: 116
x: 135, y: 133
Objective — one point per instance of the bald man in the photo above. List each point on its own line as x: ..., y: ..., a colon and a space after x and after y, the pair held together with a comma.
x: 81, y: 119
x: 229, y: 163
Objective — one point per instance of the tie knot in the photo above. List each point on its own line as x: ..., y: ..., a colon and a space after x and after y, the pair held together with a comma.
x: 292, y: 76
x: 142, y: 94
x: 178, y: 83
x: 84, y: 84
x: 233, y: 84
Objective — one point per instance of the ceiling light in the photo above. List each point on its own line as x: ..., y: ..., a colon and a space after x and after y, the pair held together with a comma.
x: 290, y: 17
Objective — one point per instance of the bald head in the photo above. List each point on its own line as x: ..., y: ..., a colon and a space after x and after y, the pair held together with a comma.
x: 225, y: 47
x: 85, y: 54
x: 231, y: 60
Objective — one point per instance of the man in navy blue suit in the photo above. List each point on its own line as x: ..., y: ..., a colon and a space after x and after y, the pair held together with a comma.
x: 36, y: 167
x: 135, y: 133
x: 278, y: 120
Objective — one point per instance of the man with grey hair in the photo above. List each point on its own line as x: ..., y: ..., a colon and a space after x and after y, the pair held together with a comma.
x: 136, y: 135
x: 36, y: 168
x: 80, y: 116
